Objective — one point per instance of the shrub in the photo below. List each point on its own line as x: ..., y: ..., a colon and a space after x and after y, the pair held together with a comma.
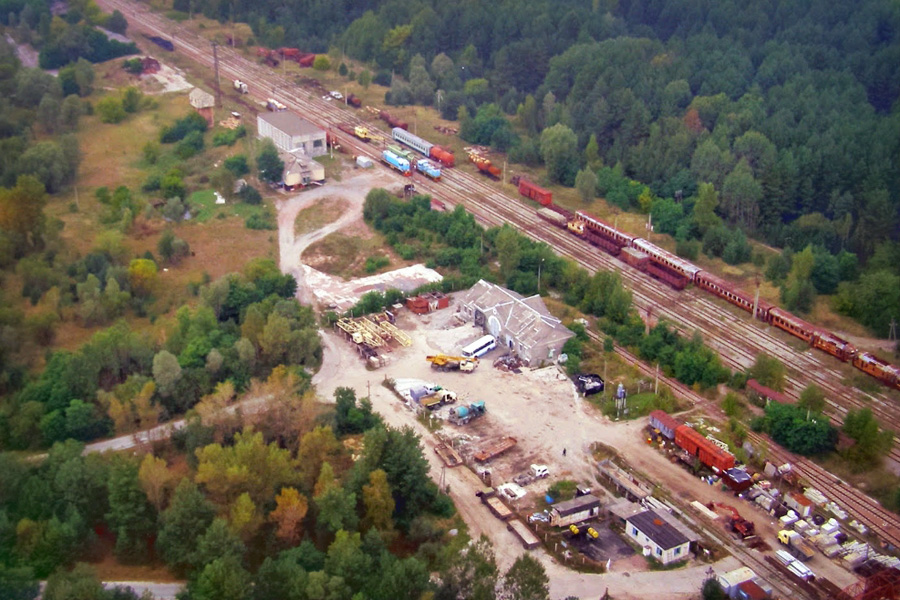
x: 250, y: 195
x: 260, y: 221
x: 110, y: 110
x: 152, y: 183
x: 237, y: 164
x: 374, y: 263
x: 191, y: 145
x: 133, y: 66
x: 321, y: 63
x: 229, y: 136
x: 182, y: 127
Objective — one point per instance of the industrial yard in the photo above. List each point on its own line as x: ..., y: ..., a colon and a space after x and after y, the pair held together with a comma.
x: 549, y: 423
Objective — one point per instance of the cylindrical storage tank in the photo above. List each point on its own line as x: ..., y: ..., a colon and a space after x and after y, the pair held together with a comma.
x: 443, y: 156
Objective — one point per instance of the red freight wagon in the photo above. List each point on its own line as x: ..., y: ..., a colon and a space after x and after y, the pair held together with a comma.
x: 536, y: 193
x: 708, y: 453
x: 676, y: 280
x: 601, y: 242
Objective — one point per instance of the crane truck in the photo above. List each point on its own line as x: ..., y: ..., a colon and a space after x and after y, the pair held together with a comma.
x: 443, y: 362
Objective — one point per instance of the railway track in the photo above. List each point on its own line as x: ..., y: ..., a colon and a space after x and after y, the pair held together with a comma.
x: 735, y: 336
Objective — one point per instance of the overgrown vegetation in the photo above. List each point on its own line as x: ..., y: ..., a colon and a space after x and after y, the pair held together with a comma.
x: 797, y: 429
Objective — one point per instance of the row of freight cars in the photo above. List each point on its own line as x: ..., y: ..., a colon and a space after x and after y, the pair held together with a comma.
x: 678, y: 273
x: 273, y: 57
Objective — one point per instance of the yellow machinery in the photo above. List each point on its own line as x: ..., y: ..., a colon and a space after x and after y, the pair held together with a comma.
x: 444, y: 362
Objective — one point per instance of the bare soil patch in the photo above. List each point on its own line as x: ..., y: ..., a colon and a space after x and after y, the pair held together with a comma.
x: 324, y: 211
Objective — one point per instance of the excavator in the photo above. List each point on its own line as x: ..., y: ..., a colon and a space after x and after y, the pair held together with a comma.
x: 443, y: 362
x: 739, y: 525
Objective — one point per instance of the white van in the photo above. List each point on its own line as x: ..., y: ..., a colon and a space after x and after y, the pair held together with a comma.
x: 539, y: 471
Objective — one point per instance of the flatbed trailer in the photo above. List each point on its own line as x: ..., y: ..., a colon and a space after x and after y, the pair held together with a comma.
x: 500, y: 510
x: 525, y: 535
x: 495, y: 449
x: 448, y: 455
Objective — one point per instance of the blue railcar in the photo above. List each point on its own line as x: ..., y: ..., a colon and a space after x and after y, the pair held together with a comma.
x: 396, y: 162
x: 429, y: 169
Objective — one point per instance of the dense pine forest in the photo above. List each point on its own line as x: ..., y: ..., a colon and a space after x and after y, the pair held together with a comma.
x: 787, y: 109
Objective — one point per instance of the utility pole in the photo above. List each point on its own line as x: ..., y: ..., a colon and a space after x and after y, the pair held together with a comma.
x: 756, y: 298
x: 215, y: 47
x: 539, y: 276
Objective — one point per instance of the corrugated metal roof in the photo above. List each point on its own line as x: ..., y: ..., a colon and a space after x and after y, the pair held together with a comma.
x: 290, y: 124
x: 525, y: 319
x: 658, y: 530
x: 575, y: 505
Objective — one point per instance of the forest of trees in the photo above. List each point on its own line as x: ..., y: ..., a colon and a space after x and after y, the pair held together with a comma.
x: 786, y: 112
x: 271, y: 506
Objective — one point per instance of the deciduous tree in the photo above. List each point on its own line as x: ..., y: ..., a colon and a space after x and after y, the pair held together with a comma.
x: 559, y: 149
x: 130, y: 515
x: 379, y: 502
x: 155, y: 479
x: 471, y: 575
x: 291, y: 508
x: 166, y: 372
x: 525, y: 580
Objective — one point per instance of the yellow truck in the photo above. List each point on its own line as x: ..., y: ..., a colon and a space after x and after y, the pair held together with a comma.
x: 443, y: 362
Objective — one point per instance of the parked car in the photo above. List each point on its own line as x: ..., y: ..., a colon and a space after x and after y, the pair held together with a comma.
x: 337, y: 95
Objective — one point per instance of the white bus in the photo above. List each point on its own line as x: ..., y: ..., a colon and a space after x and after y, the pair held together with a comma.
x: 482, y: 345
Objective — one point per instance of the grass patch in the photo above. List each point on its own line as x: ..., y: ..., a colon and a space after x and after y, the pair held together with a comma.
x: 203, y: 207
x: 333, y: 167
x: 640, y: 405
x: 321, y: 213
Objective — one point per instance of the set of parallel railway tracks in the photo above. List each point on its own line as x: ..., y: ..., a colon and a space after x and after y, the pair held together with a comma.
x: 737, y: 337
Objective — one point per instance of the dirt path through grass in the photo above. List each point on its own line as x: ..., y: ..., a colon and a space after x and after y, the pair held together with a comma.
x: 351, y: 192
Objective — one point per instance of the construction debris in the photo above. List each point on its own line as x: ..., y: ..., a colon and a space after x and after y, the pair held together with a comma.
x: 510, y: 363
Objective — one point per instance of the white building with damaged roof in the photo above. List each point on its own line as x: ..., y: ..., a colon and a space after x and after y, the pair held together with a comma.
x: 522, y: 326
